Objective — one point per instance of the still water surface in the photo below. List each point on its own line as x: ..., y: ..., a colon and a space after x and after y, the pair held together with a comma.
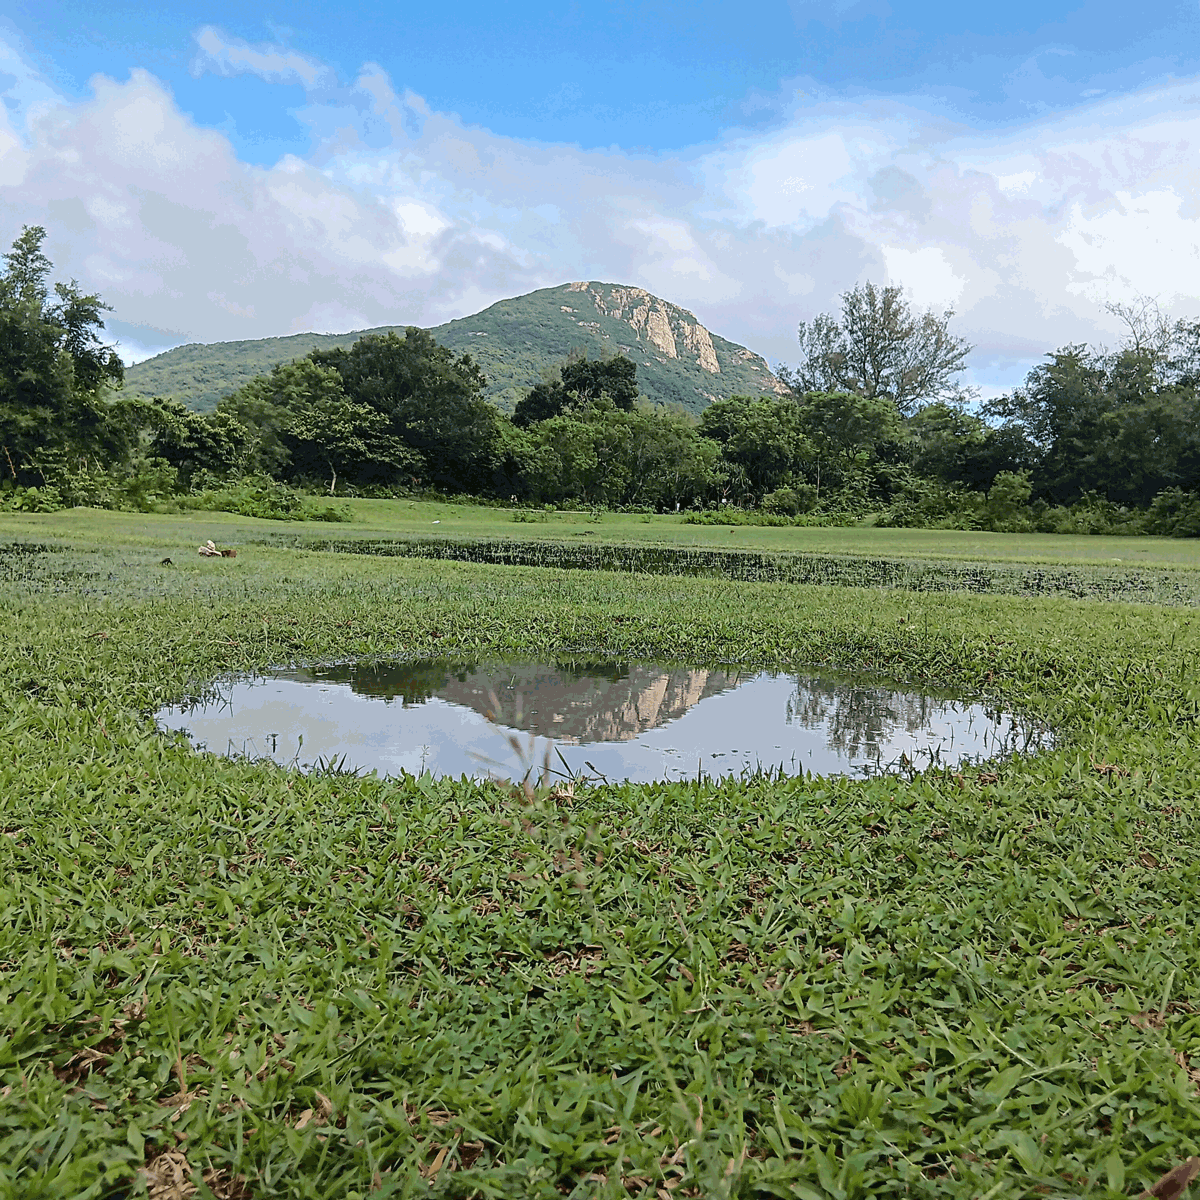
x: 615, y: 721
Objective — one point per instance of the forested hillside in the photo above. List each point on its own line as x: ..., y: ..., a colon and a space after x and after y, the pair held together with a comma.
x: 515, y: 342
x: 198, y: 376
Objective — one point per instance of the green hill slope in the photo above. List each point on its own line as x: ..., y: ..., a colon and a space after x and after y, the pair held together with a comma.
x: 514, y: 341
x: 200, y: 375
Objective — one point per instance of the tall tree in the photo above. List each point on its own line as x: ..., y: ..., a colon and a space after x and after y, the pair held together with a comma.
x: 433, y: 402
x: 1125, y: 424
x: 269, y: 405
x: 880, y: 348
x: 53, y: 367
x: 762, y: 442
x: 581, y: 382
x: 607, y: 455
x: 849, y: 435
x: 216, y: 443
x: 336, y: 436
x: 959, y: 447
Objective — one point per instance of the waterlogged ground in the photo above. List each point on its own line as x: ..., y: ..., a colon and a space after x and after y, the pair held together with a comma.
x: 600, y: 721
x: 974, y: 982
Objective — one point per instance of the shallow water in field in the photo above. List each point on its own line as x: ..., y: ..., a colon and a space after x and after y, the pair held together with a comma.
x: 614, y: 721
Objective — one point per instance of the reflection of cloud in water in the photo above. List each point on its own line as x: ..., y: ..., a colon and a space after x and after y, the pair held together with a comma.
x: 621, y: 721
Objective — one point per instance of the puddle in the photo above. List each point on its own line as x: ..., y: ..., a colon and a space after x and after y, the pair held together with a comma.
x: 613, y: 721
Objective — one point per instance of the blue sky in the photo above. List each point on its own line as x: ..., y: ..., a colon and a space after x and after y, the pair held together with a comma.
x: 219, y: 171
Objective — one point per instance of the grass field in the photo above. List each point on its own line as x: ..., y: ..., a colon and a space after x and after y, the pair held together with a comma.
x: 964, y: 984
x: 407, y: 518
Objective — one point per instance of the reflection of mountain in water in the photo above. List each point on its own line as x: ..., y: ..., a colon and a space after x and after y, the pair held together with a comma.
x: 570, y: 702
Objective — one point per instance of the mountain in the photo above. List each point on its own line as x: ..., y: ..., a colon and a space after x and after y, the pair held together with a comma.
x: 514, y: 341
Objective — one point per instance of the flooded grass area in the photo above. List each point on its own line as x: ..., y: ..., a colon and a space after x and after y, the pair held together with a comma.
x: 605, y: 721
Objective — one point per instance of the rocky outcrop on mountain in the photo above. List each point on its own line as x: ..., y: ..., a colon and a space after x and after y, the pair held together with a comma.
x: 679, y: 361
x: 651, y: 317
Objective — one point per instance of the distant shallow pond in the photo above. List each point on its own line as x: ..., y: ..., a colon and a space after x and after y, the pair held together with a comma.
x: 614, y: 721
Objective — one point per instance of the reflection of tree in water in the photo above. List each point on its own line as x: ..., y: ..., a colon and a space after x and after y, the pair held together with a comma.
x: 861, y: 720
x: 410, y: 682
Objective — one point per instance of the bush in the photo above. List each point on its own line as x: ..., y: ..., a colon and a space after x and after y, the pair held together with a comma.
x: 263, y: 497
x: 735, y: 516
x: 1091, y: 513
x: 931, y: 504
x: 790, y: 501
x: 30, y: 499
x: 739, y: 516
x: 147, y: 485
x: 1007, y: 508
x: 1174, y: 513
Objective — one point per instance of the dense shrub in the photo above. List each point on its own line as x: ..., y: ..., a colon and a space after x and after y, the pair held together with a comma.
x: 736, y: 516
x: 1175, y: 513
x: 261, y: 496
x: 791, y: 501
x: 29, y: 499
x: 931, y: 504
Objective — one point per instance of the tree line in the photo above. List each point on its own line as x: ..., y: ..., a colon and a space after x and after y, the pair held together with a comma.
x: 875, y: 423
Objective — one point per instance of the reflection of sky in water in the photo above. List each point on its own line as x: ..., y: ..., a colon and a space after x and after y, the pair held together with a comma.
x: 768, y: 721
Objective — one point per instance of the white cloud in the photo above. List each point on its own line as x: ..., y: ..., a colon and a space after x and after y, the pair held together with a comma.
x: 1018, y: 183
x: 926, y: 275
x: 402, y: 214
x: 230, y: 56
x: 1141, y: 243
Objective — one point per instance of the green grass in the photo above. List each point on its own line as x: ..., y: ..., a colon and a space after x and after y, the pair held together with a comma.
x: 961, y: 984
x: 407, y: 518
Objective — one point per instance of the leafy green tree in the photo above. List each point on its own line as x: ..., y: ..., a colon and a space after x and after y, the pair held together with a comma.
x: 53, y: 368
x: 880, y: 348
x: 269, y: 405
x: 1124, y: 424
x: 960, y: 447
x: 840, y: 424
x: 851, y: 438
x: 587, y: 379
x: 671, y: 465
x: 432, y: 400
x: 563, y: 463
x: 762, y: 443
x: 542, y: 401
x: 606, y: 455
x: 581, y: 382
x: 217, y: 444
x: 1062, y: 399
x: 334, y: 435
